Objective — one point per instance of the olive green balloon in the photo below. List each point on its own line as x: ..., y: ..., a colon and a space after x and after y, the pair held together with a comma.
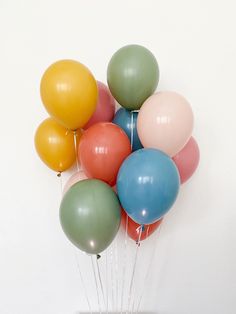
x: 132, y: 76
x: 90, y: 215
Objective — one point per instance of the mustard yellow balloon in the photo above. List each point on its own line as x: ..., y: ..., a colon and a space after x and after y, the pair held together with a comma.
x: 69, y: 93
x: 55, y: 145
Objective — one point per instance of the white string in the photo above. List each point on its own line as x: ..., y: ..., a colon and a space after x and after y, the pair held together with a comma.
x: 124, y: 264
x: 96, y: 284
x: 112, y: 280
x: 100, y: 281
x: 116, y: 271
x: 132, y: 130
x: 134, y: 268
x: 107, y: 280
x: 83, y: 284
x: 76, y: 152
x: 148, y: 269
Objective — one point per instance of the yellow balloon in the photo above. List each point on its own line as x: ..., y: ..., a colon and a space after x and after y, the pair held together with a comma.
x: 55, y: 145
x: 69, y: 93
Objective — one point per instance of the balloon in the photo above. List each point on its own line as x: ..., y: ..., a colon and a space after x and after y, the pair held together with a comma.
x: 165, y: 122
x: 76, y: 177
x: 90, y: 215
x: 103, y: 148
x: 187, y: 160
x: 55, y: 145
x: 133, y: 229
x: 123, y: 118
x: 69, y: 93
x: 105, y: 108
x: 147, y: 185
x: 132, y: 76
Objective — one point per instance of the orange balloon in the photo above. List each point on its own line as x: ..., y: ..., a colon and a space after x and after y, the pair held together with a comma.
x: 69, y: 93
x: 102, y: 149
x: 55, y: 145
x: 133, y: 228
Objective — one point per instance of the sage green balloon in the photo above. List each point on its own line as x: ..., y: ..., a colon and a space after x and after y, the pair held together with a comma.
x: 132, y: 76
x: 90, y: 215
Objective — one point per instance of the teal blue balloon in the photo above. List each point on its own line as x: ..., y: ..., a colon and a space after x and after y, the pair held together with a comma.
x: 90, y: 215
x: 128, y: 122
x: 147, y: 185
x: 132, y: 76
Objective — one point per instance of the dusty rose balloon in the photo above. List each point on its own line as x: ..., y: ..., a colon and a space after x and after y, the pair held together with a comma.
x: 76, y: 177
x: 105, y: 108
x: 187, y: 160
x: 165, y: 122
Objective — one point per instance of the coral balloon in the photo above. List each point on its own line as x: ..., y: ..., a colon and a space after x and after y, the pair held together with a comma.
x: 105, y: 108
x: 55, y: 145
x: 187, y: 160
x: 165, y: 122
x: 133, y: 229
x: 103, y: 148
x: 69, y: 93
x: 76, y: 177
x: 132, y: 75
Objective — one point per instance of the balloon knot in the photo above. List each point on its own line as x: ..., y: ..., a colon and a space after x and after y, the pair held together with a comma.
x: 59, y: 174
x: 98, y: 256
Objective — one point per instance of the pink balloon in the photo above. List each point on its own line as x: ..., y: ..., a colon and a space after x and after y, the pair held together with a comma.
x: 165, y: 122
x: 105, y: 109
x: 76, y: 177
x: 187, y: 160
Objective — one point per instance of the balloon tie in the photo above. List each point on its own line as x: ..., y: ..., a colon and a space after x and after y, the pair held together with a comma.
x: 134, y: 269
x: 125, y: 262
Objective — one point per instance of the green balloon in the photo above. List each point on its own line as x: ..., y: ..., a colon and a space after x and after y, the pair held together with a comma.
x: 132, y: 76
x: 90, y: 215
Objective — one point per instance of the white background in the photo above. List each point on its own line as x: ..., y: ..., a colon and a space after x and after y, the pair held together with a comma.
x: 194, y: 42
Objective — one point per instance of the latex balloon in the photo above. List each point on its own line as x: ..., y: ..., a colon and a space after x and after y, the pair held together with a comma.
x: 69, y: 93
x: 127, y: 121
x: 55, y: 145
x: 132, y: 76
x: 147, y: 185
x: 187, y: 160
x: 103, y: 148
x: 105, y: 108
x: 90, y: 215
x: 76, y: 177
x: 165, y: 122
x: 134, y: 229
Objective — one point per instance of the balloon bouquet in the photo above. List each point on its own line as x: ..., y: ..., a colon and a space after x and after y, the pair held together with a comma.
x: 132, y: 162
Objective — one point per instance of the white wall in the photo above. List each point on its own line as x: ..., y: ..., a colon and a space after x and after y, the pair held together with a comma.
x: 194, y: 42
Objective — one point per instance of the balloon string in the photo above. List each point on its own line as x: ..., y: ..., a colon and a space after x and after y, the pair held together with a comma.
x: 100, y: 281
x: 149, y: 268
x: 132, y: 130
x: 112, y: 280
x: 116, y: 271
x: 59, y: 175
x: 76, y: 152
x: 134, y: 268
x: 83, y: 284
x: 124, y: 264
x: 107, y: 288
x: 96, y: 284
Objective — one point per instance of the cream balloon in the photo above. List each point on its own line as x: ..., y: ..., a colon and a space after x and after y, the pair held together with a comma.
x: 165, y: 122
x: 76, y: 177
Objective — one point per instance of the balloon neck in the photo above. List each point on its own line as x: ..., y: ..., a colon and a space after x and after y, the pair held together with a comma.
x: 59, y: 174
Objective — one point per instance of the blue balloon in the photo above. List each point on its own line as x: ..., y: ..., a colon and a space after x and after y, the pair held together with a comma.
x: 147, y: 185
x: 123, y: 118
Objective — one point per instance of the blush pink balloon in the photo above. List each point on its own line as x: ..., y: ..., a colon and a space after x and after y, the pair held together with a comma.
x: 165, y: 122
x: 187, y: 160
x: 105, y: 109
x: 76, y: 177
